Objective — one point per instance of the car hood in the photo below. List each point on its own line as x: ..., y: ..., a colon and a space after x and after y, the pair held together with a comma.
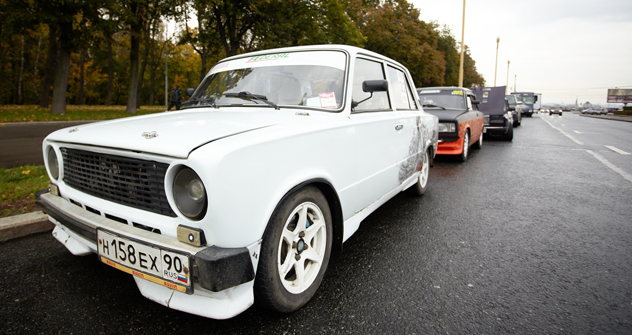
x: 445, y: 115
x: 173, y: 134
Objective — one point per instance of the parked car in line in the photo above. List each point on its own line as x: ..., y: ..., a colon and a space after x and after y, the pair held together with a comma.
x: 556, y: 110
x: 515, y: 106
x: 461, y: 124
x: 595, y: 111
x: 498, y: 118
x: 242, y: 194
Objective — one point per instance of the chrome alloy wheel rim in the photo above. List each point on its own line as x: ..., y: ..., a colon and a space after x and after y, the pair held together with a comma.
x: 302, y: 247
x: 466, y: 144
x: 423, y: 174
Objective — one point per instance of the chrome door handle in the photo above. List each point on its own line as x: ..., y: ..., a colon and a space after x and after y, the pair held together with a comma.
x: 399, y: 126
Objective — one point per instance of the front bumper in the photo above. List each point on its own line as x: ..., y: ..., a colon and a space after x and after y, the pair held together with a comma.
x: 448, y: 146
x: 222, y: 277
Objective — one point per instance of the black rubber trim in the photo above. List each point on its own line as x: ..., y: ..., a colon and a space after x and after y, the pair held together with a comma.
x: 68, y: 222
x: 222, y: 268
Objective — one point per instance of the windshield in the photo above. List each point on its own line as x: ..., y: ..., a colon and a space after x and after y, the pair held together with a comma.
x: 452, y: 99
x: 527, y: 99
x: 313, y: 79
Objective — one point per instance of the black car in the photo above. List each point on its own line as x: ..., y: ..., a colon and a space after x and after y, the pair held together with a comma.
x: 461, y: 124
x: 498, y: 117
x: 515, y: 106
x: 555, y: 110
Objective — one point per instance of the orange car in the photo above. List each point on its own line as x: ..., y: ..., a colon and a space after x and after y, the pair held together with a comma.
x: 461, y: 124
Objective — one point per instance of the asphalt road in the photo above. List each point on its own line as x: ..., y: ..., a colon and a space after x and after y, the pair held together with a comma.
x: 21, y: 143
x: 532, y: 236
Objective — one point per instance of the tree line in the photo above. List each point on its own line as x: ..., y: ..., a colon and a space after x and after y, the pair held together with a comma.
x: 118, y: 52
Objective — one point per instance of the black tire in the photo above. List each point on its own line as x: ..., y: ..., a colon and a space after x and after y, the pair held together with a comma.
x: 479, y: 143
x: 466, y: 146
x: 313, y: 246
x: 421, y: 186
x: 509, y: 134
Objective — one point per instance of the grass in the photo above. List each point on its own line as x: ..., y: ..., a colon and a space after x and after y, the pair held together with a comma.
x: 18, y: 186
x: 33, y: 113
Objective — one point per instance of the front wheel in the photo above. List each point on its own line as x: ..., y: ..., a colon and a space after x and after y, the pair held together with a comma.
x: 295, y: 251
x: 509, y: 134
x: 466, y: 146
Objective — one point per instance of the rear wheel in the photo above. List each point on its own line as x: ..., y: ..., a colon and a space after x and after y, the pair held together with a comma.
x: 295, y: 251
x: 422, y: 181
x: 479, y: 143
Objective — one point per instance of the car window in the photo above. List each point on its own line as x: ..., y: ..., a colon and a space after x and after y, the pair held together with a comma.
x: 368, y: 70
x: 469, y: 103
x: 446, y: 98
x: 310, y: 79
x: 399, y: 86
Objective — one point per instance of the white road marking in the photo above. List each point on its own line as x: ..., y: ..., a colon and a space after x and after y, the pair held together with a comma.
x: 577, y: 132
x: 617, y: 150
x: 563, y: 132
x: 605, y: 162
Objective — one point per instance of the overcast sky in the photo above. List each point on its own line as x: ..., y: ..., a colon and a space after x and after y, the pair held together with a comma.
x: 564, y: 49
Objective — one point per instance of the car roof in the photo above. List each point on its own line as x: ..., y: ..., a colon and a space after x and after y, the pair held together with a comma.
x: 351, y: 50
x: 445, y: 88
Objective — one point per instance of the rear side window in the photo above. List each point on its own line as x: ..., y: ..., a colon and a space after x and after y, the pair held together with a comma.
x: 369, y: 70
x: 400, y: 88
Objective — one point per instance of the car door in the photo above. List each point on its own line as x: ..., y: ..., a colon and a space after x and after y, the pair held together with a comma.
x: 409, y: 136
x: 380, y: 134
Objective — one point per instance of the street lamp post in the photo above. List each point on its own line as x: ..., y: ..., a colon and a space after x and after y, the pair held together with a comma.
x: 496, y: 67
x: 507, y: 75
x: 462, y: 48
x: 515, y: 78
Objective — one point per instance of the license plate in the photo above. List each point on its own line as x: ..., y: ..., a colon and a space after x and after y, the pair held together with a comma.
x: 163, y: 267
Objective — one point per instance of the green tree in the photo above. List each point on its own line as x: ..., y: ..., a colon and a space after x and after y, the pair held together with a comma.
x: 471, y: 77
x: 394, y: 30
x: 448, y: 47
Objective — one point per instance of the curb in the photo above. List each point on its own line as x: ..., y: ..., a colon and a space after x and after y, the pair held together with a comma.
x: 23, y: 225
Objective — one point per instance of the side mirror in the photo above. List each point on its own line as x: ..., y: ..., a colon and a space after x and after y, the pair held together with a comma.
x: 371, y: 86
x: 375, y: 86
x: 189, y: 91
x: 475, y: 102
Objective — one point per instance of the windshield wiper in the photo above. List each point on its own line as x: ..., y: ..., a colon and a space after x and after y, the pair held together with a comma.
x: 248, y: 95
x: 207, y: 101
x: 431, y: 105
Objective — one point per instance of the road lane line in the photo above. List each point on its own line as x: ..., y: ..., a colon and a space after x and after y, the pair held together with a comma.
x: 576, y: 132
x: 611, y: 166
x: 617, y: 150
x: 563, y: 132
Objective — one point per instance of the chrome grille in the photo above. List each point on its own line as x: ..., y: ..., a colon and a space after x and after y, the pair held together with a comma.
x: 126, y: 181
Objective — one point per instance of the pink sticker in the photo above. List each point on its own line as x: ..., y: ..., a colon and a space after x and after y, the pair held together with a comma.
x: 327, y: 100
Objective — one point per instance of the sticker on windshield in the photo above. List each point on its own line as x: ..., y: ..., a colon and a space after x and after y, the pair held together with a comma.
x: 429, y: 91
x: 268, y: 57
x: 456, y: 92
x: 327, y: 100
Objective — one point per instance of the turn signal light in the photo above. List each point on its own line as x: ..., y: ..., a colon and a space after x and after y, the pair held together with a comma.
x: 192, y: 236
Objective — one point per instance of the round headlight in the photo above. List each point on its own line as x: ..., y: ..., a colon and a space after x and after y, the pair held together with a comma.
x: 53, y: 163
x: 189, y: 193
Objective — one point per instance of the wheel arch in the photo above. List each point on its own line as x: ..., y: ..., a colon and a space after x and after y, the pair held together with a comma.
x: 335, y: 207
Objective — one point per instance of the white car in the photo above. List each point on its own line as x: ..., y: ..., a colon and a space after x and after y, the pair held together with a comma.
x: 243, y: 194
